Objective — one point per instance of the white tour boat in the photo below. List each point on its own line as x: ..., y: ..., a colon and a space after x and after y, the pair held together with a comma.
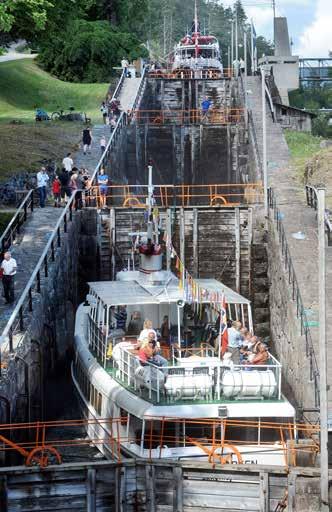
x: 199, y: 405
x: 197, y: 51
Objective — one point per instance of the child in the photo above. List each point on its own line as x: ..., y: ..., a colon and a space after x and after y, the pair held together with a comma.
x: 56, y: 189
x: 102, y: 144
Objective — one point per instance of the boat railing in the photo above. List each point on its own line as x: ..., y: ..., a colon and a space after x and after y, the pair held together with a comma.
x: 196, y: 64
x: 198, y: 379
x: 205, y: 73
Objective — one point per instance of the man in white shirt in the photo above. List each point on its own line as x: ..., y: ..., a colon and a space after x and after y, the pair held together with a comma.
x: 68, y: 162
x: 9, y: 268
x: 42, y: 179
x: 124, y: 65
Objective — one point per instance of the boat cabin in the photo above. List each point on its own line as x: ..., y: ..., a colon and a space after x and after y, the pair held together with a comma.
x: 194, y: 370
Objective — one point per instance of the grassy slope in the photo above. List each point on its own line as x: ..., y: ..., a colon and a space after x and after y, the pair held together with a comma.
x: 23, y: 85
x: 312, y: 164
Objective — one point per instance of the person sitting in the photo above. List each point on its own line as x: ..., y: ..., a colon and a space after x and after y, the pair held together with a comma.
x: 145, y: 352
x: 257, y: 352
x: 157, y: 359
x: 135, y: 325
x: 147, y: 326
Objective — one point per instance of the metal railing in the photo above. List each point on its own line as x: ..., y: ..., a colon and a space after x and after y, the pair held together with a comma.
x: 218, y: 116
x: 119, y: 86
x: 25, y: 304
x: 14, y: 226
x: 166, y: 196
x: 254, y: 142
x: 296, y: 295
x: 190, y: 380
x: 190, y: 74
x: 312, y: 201
x: 140, y: 90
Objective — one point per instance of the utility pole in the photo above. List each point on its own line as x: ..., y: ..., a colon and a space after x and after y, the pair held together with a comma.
x: 236, y: 39
x: 324, y: 463
x: 245, y: 76
x: 229, y: 58
x: 252, y: 49
x: 232, y: 42
x: 265, y: 184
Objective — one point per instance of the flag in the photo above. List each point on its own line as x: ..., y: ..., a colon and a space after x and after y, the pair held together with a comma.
x: 223, y: 335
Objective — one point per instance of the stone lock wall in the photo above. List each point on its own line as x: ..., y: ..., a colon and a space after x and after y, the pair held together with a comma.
x: 50, y: 327
x: 288, y: 343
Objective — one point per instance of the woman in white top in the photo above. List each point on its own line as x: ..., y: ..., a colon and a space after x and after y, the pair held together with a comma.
x: 147, y: 328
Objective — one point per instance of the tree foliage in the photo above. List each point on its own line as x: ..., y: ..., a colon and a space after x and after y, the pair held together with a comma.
x: 88, y: 50
x: 24, y: 17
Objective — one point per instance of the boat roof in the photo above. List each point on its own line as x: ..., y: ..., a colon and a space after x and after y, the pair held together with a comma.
x: 117, y: 293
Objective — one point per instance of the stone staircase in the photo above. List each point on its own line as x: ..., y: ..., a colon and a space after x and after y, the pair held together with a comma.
x: 128, y: 93
x: 277, y: 149
x: 27, y: 249
x: 90, y: 160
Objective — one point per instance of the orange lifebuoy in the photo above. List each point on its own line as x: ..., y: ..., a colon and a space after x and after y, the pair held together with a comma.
x: 216, y: 198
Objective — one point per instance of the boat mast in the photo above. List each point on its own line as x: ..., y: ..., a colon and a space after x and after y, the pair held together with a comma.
x: 152, y: 228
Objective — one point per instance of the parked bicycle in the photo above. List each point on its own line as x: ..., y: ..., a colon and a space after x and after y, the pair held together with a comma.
x: 71, y: 115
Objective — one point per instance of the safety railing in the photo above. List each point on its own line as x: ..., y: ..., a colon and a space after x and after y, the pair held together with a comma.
x: 113, y: 140
x: 205, y: 73
x: 295, y: 293
x: 119, y: 128
x: 217, y: 440
x: 140, y: 91
x: 214, y: 195
x: 14, y: 226
x: 312, y: 201
x: 15, y: 327
x: 218, y: 116
x: 119, y: 86
x: 206, y: 379
x: 254, y: 143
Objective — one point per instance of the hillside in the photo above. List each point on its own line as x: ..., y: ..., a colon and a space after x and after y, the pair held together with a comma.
x: 312, y: 164
x: 23, y: 86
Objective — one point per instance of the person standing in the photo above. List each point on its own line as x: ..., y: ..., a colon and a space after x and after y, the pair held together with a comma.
x: 87, y: 140
x: 64, y: 178
x: 68, y: 163
x: 242, y: 66
x: 103, y: 186
x: 42, y: 179
x: 206, y: 104
x: 236, y: 65
x: 104, y: 112
x: 102, y: 144
x: 124, y: 65
x: 56, y: 189
x: 234, y: 341
x: 9, y: 268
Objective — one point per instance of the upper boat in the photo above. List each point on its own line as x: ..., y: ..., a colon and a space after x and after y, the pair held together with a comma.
x: 197, y: 51
x: 199, y: 403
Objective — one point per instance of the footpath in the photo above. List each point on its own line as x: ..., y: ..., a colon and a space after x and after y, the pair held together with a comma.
x: 29, y: 245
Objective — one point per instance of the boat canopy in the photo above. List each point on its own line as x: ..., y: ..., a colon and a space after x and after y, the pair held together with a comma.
x: 131, y: 292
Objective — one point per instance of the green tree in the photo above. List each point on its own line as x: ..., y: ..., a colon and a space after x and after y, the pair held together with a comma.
x: 88, y: 50
x: 24, y: 17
